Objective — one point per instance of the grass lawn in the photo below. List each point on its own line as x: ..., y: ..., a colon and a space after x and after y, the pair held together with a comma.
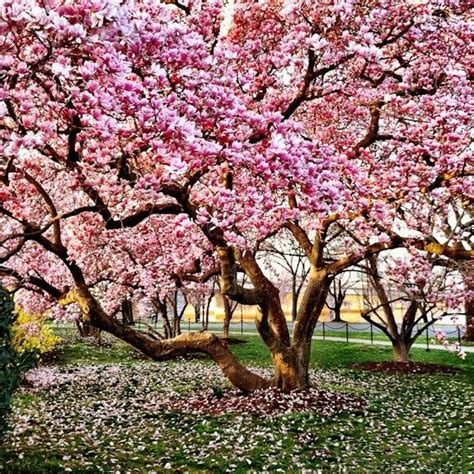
x: 104, y: 410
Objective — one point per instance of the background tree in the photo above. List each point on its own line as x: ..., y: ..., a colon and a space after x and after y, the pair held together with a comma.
x: 406, y: 295
x: 337, y: 293
x: 229, y: 309
x: 127, y: 312
x: 285, y: 258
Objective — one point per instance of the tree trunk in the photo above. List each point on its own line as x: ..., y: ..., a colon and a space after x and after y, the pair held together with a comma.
x: 294, y: 300
x: 309, y: 311
x: 227, y: 317
x: 292, y: 368
x: 401, y: 351
x: 86, y: 329
x: 289, y: 362
x: 197, y: 313
x: 469, y: 335
x: 337, y: 313
x: 468, y: 276
x: 127, y: 312
x: 176, y: 325
x: 208, y: 308
x: 203, y: 316
x: 166, y: 322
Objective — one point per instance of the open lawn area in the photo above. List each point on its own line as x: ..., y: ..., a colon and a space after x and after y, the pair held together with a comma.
x: 109, y: 410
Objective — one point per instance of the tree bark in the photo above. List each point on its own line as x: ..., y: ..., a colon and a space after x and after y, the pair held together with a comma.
x: 291, y: 370
x: 164, y: 349
x: 227, y: 317
x: 127, y: 312
x: 197, y: 313
x: 468, y: 277
x: 86, y: 329
x: 401, y: 351
x: 206, y: 315
x: 469, y: 307
x: 294, y: 300
x: 337, y: 313
x: 166, y: 322
x: 176, y: 326
x: 309, y: 311
x: 290, y: 366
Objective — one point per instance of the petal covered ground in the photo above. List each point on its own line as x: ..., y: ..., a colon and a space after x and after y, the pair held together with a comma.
x: 130, y: 417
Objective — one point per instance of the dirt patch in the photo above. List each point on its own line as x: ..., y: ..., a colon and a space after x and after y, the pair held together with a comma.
x: 405, y: 368
x: 266, y: 402
x: 53, y: 357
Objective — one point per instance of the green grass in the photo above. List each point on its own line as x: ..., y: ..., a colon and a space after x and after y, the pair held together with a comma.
x: 104, y: 420
x: 325, y: 354
x: 332, y: 354
x: 82, y: 353
x: 377, y: 336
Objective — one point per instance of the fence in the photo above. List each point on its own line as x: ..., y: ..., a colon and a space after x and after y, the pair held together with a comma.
x: 367, y: 331
x: 344, y: 330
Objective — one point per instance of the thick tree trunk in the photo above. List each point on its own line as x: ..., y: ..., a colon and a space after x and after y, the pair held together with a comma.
x: 290, y: 361
x: 292, y: 368
x: 227, y: 317
x: 401, y: 351
x: 164, y: 349
x: 310, y: 309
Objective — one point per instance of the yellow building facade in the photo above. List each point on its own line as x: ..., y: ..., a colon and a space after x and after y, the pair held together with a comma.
x: 351, y: 310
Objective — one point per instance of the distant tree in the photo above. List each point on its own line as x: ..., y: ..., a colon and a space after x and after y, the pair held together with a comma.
x: 337, y: 294
x: 287, y: 260
x: 413, y: 288
x: 229, y: 309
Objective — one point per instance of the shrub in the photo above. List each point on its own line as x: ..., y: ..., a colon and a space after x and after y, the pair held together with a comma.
x: 13, y: 364
x: 31, y: 333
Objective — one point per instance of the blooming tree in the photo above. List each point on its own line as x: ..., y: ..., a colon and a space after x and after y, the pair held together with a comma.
x: 407, y: 294
x: 143, y: 142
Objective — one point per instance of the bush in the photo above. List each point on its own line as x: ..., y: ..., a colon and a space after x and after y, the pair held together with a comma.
x: 13, y: 364
x: 30, y: 333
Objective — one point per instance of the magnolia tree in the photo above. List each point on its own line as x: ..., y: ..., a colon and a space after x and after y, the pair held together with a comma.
x: 145, y: 142
x: 406, y: 294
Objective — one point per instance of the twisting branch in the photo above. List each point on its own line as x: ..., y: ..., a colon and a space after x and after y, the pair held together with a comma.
x: 179, y: 5
x: 32, y: 280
